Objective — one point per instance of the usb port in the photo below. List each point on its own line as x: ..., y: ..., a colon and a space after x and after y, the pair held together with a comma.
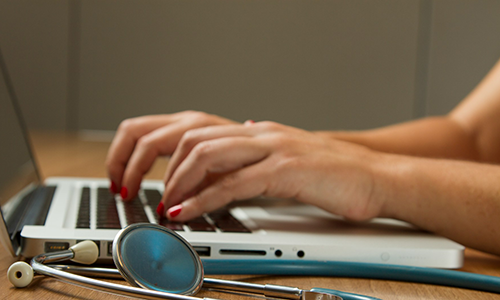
x: 110, y: 248
x: 202, y: 251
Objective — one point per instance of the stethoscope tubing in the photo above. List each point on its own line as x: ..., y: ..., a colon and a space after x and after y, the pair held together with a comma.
x: 354, y: 270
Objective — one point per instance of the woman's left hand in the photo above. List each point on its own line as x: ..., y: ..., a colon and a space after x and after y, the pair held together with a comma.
x: 215, y: 165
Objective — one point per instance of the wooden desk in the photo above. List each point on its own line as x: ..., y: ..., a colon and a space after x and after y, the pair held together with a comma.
x: 66, y: 155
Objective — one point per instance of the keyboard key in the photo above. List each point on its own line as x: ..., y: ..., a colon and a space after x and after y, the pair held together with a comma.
x: 200, y: 224
x: 223, y: 219
x: 153, y: 197
x: 134, y: 211
x: 177, y: 226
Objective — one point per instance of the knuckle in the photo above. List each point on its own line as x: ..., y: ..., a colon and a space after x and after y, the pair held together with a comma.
x: 203, y: 150
x: 189, y: 112
x: 131, y: 125
x: 279, y: 141
x: 197, y: 116
x: 228, y: 182
x: 189, y: 139
x: 145, y: 143
x: 269, y: 125
x: 127, y: 125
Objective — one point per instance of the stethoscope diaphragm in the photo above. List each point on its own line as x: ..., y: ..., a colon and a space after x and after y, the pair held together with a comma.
x: 157, y: 258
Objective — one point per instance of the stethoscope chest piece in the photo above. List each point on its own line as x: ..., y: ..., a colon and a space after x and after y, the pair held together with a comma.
x: 157, y: 258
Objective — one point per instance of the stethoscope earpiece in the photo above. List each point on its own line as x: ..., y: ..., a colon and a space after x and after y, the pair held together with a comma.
x: 20, y: 274
x: 85, y: 252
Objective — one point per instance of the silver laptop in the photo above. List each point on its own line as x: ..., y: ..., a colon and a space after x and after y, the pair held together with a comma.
x: 53, y: 215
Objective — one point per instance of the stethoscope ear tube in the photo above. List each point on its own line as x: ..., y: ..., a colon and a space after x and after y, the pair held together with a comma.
x: 354, y: 270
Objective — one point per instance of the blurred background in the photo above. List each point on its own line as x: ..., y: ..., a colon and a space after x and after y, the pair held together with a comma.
x: 315, y: 64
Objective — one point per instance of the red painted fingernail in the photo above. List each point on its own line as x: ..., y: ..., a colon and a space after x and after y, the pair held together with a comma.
x: 249, y: 122
x: 124, y: 192
x: 160, y: 210
x: 112, y: 188
x: 175, y: 211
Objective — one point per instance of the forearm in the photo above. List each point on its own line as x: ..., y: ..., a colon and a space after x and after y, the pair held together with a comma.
x: 456, y: 199
x: 438, y: 137
x: 471, y: 131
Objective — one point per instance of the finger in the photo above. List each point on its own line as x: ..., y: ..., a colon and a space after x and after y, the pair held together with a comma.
x: 242, y: 184
x: 193, y: 137
x: 131, y: 130
x: 161, y: 141
x: 124, y: 142
x: 215, y: 156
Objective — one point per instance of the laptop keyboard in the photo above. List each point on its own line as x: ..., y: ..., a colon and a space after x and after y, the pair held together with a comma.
x: 108, y: 216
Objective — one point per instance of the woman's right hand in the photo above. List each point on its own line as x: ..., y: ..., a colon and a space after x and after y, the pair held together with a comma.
x: 139, y: 141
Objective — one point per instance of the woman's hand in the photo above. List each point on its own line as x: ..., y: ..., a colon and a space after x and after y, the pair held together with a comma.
x: 215, y: 165
x: 139, y: 141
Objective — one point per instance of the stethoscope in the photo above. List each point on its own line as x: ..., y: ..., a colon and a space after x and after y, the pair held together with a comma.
x: 158, y: 263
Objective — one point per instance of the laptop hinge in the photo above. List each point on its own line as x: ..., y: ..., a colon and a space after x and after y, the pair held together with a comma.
x: 32, y: 210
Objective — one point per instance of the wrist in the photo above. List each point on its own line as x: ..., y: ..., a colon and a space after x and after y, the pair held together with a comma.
x: 390, y: 188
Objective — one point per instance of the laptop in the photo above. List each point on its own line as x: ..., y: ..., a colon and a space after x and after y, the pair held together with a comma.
x: 54, y: 214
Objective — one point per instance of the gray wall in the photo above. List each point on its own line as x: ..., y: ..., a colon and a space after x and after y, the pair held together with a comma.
x: 465, y: 43
x: 34, y: 41
x: 316, y: 64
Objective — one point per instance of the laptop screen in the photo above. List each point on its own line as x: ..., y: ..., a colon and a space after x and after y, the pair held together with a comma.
x: 17, y: 169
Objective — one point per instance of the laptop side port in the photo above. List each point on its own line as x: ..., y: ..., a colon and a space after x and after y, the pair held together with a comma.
x: 110, y: 248
x: 56, y: 246
x: 202, y: 251
x: 242, y: 252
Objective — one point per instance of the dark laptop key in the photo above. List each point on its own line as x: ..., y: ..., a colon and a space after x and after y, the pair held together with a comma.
x: 107, y: 214
x: 221, y: 214
x: 134, y: 211
x: 200, y: 224
x: 226, y: 226
x: 153, y: 197
x: 170, y: 224
x: 223, y: 219
x: 83, y: 220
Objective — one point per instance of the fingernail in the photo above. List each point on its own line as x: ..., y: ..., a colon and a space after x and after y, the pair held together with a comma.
x: 124, y: 192
x: 249, y: 122
x: 112, y: 188
x: 160, y: 210
x: 174, y: 211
